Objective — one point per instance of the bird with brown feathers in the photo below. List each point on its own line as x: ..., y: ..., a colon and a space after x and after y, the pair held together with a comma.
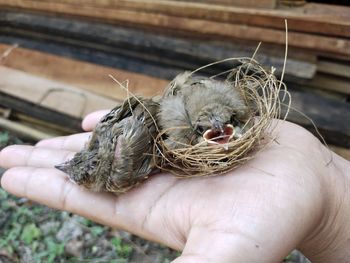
x: 192, y: 110
x: 118, y: 154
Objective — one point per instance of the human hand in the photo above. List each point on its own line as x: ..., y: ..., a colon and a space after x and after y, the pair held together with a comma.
x: 282, y: 199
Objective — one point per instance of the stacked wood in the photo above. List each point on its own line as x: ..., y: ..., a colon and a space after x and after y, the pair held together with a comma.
x: 50, y: 94
x: 26, y: 93
x: 292, y: 2
x: 246, y: 3
x: 50, y: 106
x: 136, y: 50
x: 330, y: 116
x: 83, y: 75
x: 318, y: 33
x: 330, y: 26
x: 149, y: 42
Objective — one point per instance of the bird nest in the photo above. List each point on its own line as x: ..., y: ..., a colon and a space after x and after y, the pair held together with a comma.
x: 263, y: 93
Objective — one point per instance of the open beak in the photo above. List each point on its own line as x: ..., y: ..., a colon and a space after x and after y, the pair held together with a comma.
x: 219, y: 136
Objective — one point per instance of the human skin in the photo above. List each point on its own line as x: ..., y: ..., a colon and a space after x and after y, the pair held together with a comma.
x: 293, y: 194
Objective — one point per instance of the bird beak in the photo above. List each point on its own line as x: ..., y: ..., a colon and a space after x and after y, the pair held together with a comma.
x: 219, y: 136
x: 65, y: 167
x: 62, y: 167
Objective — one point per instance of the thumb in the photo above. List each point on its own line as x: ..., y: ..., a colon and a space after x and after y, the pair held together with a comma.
x: 216, y: 245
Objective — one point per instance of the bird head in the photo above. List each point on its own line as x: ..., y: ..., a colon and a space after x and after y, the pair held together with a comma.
x: 81, y: 169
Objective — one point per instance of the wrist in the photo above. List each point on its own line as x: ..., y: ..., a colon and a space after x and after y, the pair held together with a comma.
x: 330, y: 239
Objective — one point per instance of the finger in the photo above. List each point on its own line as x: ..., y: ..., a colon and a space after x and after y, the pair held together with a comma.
x: 92, y: 119
x: 53, y: 188
x: 24, y: 155
x: 73, y: 143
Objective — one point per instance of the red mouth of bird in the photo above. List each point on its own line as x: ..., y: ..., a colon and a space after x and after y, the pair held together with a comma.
x: 219, y: 137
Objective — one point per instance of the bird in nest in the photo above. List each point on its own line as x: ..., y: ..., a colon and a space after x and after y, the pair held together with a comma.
x: 197, y: 109
x: 192, y: 110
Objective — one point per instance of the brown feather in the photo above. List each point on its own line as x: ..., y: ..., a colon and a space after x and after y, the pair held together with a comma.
x: 130, y: 130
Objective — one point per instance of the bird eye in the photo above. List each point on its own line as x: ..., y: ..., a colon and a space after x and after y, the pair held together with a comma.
x: 233, y: 120
x: 200, y: 129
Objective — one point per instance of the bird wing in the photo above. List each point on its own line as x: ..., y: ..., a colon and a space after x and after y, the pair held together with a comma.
x: 133, y: 154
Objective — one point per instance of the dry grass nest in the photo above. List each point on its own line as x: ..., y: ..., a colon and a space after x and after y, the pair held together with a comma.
x: 264, y: 94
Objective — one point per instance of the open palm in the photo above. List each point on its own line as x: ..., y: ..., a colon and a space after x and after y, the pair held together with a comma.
x: 256, y: 213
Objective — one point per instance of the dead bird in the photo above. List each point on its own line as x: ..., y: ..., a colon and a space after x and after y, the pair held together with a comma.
x: 192, y: 110
x: 119, y: 153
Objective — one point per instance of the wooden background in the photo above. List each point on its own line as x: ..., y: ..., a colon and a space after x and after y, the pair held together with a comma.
x: 66, y: 50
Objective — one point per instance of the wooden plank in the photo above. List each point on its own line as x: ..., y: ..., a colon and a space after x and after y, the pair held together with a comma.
x: 197, y: 27
x: 314, y: 18
x: 329, y: 94
x: 149, y: 47
x: 53, y: 95
x: 36, y: 111
x: 291, y: 3
x: 241, y: 3
x: 24, y: 131
x: 96, y: 56
x: 47, y: 126
x: 81, y: 74
x: 330, y: 116
x: 296, y: 71
x: 329, y: 82
x: 334, y: 68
